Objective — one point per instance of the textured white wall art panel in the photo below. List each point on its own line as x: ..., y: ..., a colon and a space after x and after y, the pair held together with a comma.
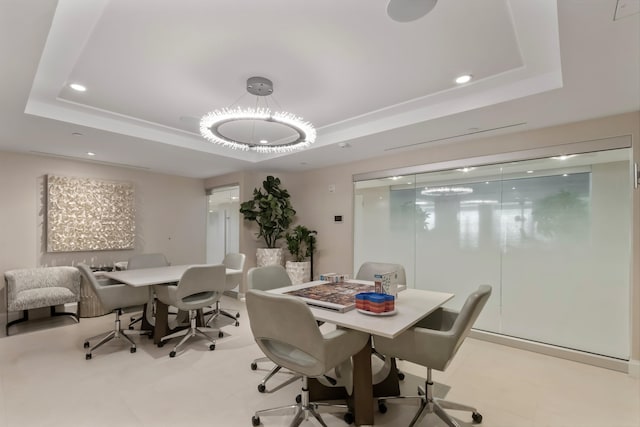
x: 86, y: 214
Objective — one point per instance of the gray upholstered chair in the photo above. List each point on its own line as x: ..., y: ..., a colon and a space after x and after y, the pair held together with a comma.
x: 235, y: 262
x: 433, y: 343
x: 368, y: 270
x: 266, y: 278
x: 199, y: 287
x: 286, y: 331
x: 146, y: 261
x: 32, y: 288
x: 113, y: 297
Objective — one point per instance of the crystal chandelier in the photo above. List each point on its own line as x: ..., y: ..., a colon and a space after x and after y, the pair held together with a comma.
x: 211, y: 123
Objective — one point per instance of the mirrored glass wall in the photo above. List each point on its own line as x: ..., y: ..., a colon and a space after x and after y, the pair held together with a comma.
x: 551, y: 235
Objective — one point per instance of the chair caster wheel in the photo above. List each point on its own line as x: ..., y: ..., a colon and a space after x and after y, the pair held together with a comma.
x: 87, y: 356
x: 254, y: 366
x: 132, y: 349
x: 255, y: 421
x: 382, y: 407
x: 477, y: 417
x: 238, y: 316
x: 86, y: 344
x: 348, y: 418
x: 161, y: 344
x: 400, y: 376
x: 172, y: 354
x: 220, y: 334
x: 131, y: 328
x: 298, y: 398
x: 212, y: 347
x: 237, y: 323
x: 261, y: 388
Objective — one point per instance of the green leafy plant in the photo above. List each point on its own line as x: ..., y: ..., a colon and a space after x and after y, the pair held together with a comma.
x: 561, y: 214
x: 271, y: 210
x: 301, y: 242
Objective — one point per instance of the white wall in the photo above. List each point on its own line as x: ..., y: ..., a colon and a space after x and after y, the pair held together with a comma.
x: 170, y: 213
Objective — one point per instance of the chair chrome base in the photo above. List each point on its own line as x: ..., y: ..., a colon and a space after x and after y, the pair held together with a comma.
x: 303, y: 409
x: 262, y: 387
x: 218, y: 311
x: 116, y: 333
x: 430, y: 404
x: 192, y: 331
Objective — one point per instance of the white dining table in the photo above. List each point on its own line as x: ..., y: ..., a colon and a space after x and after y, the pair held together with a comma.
x: 411, y: 306
x: 156, y: 276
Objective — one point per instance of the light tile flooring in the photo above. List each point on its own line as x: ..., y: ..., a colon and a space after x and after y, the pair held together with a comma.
x: 46, y: 381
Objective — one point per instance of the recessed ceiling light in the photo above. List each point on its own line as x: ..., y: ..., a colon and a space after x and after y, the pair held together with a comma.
x: 564, y: 157
x: 465, y: 169
x: 529, y: 171
x: 465, y: 78
x: 78, y: 87
x: 564, y: 174
x: 91, y: 153
x: 264, y: 141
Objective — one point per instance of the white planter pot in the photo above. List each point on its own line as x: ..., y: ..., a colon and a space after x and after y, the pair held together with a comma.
x: 269, y: 256
x: 299, y: 272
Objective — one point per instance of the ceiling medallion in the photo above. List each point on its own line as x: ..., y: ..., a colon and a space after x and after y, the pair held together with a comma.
x: 260, y: 87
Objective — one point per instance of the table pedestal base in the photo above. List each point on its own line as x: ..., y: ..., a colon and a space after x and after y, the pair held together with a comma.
x: 361, y: 401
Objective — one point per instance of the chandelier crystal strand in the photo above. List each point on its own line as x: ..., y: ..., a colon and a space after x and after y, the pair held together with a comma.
x: 211, y: 122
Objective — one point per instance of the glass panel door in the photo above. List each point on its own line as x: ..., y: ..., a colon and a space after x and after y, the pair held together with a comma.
x: 223, y: 223
x: 461, y: 248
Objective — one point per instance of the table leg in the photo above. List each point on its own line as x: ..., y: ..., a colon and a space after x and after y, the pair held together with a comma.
x: 363, y: 387
x: 145, y: 323
x: 161, y: 327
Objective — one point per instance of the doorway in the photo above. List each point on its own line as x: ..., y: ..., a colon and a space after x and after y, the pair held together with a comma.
x: 223, y: 225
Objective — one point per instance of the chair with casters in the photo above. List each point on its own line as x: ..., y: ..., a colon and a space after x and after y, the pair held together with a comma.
x: 234, y: 262
x: 432, y: 343
x: 113, y: 297
x: 286, y: 331
x: 146, y: 261
x: 199, y: 287
x: 266, y: 278
x: 368, y: 270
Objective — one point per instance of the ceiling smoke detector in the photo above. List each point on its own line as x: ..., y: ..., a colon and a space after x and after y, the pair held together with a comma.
x: 409, y: 10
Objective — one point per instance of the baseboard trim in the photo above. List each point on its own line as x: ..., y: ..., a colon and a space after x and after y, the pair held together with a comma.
x: 563, y: 353
x: 634, y: 368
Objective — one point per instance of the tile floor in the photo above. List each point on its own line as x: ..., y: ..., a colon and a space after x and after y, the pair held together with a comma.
x: 46, y: 381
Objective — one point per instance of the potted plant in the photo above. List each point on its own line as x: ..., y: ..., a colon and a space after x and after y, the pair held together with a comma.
x: 271, y: 209
x: 301, y: 244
